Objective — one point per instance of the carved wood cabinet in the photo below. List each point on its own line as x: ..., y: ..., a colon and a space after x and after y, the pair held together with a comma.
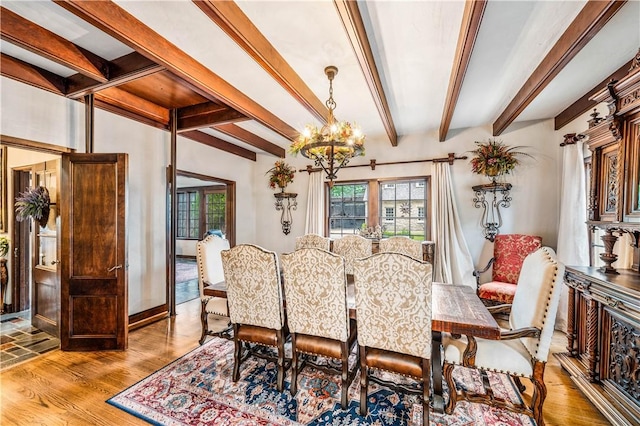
x: 603, y: 324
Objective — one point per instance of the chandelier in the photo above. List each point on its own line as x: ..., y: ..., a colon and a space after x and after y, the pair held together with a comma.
x: 334, y: 144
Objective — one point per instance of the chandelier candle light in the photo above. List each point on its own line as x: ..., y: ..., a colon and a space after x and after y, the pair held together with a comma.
x: 334, y: 144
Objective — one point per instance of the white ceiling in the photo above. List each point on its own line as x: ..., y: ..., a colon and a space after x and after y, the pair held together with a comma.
x: 414, y: 44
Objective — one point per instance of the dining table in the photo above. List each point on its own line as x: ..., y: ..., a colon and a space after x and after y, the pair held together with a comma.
x: 455, y: 309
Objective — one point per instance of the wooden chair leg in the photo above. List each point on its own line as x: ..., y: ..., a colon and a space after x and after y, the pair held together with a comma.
x: 364, y: 380
x: 453, y: 393
x: 539, y: 392
x: 345, y: 375
x: 280, y: 339
x: 204, y: 320
x: 426, y: 390
x: 237, y: 353
x: 519, y: 384
x: 294, y: 366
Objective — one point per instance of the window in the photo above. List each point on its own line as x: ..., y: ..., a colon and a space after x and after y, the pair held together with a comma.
x: 388, y: 213
x: 200, y: 210
x: 401, y: 207
x: 348, y: 208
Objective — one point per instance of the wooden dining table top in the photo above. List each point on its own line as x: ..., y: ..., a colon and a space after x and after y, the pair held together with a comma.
x: 455, y: 309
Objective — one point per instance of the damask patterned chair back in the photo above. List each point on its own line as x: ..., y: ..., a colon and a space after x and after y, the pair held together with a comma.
x: 313, y: 241
x: 253, y: 286
x: 404, y: 245
x: 509, y: 252
x: 393, y: 303
x: 315, y: 286
x: 352, y: 247
x: 256, y: 309
x: 213, y: 317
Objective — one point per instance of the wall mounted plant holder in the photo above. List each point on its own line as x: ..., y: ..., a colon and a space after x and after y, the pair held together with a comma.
x: 285, y: 202
x: 490, y: 198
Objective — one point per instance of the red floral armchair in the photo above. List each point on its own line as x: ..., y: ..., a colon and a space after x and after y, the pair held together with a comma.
x: 509, y: 252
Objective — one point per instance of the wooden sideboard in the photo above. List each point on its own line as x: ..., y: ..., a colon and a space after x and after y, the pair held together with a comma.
x: 603, y: 340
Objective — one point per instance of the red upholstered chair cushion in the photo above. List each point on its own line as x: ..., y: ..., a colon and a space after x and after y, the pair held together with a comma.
x: 509, y: 251
x: 497, y: 291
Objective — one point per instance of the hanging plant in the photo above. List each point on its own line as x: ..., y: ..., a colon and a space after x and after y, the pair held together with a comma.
x: 280, y: 175
x: 494, y: 158
x: 33, y: 203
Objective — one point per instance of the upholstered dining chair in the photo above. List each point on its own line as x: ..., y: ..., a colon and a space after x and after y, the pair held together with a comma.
x: 213, y: 314
x: 315, y: 287
x: 404, y: 245
x: 313, y: 241
x: 256, y: 310
x: 522, y: 351
x: 352, y: 247
x: 393, y: 304
x: 509, y: 251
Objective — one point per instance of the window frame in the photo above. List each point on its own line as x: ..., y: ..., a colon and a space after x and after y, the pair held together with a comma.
x: 374, y: 186
x: 202, y: 192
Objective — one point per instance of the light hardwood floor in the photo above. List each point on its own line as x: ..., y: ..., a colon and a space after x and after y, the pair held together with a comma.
x: 64, y: 388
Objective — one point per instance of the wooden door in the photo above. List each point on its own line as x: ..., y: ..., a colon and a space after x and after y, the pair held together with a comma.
x: 94, y: 308
x: 45, y: 306
x: 21, y: 250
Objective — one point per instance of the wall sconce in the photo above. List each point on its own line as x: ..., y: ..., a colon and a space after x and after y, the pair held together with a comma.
x: 491, y: 218
x: 291, y: 204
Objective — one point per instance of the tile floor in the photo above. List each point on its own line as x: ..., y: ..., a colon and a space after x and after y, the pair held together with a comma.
x: 19, y: 341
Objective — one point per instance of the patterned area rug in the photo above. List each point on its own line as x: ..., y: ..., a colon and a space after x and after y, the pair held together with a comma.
x: 197, y: 390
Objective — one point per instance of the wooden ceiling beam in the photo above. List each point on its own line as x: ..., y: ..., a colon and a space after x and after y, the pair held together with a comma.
x: 232, y: 20
x: 251, y: 139
x: 141, y: 107
x: 206, y: 115
x: 584, y: 104
x: 217, y: 143
x: 354, y: 26
x: 32, y: 75
x: 118, y: 23
x: 34, y: 38
x: 471, y: 20
x: 122, y: 70
x: 591, y: 19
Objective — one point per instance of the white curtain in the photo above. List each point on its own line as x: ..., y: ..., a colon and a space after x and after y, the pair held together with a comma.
x: 453, y: 262
x: 573, y: 242
x: 315, y: 205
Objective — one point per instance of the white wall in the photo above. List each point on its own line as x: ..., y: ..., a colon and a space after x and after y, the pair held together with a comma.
x: 534, y: 209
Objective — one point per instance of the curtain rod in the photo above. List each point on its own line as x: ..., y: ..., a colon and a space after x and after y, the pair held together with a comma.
x: 372, y: 163
x: 572, y: 138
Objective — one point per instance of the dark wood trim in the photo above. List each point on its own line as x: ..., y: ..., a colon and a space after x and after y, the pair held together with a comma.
x: 471, y: 20
x: 115, y: 109
x: 173, y: 207
x: 238, y: 26
x: 217, y: 143
x: 115, y: 21
x: 584, y: 104
x: 373, y: 163
x: 32, y: 75
x: 34, y: 38
x: 591, y: 19
x: 13, y: 142
x: 121, y: 70
x: 231, y: 201
x: 206, y: 115
x: 251, y: 139
x: 349, y: 13
x: 144, y: 318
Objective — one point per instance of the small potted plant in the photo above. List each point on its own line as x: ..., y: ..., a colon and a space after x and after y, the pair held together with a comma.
x: 33, y: 203
x: 280, y: 175
x: 494, y: 159
x: 4, y: 246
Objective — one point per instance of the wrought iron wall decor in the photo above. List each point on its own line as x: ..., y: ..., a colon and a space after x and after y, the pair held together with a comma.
x: 286, y: 220
x: 490, y: 198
